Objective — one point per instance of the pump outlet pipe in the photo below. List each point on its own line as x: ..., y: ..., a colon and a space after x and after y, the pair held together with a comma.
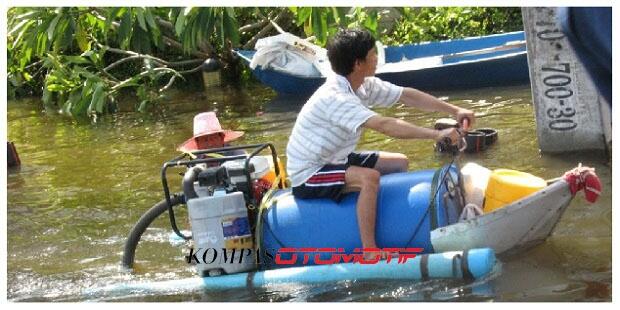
x: 129, y: 253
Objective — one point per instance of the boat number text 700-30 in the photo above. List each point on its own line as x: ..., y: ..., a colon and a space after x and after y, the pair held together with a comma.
x: 557, y: 77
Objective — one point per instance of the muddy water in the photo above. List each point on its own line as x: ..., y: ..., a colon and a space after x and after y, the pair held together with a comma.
x: 83, y: 185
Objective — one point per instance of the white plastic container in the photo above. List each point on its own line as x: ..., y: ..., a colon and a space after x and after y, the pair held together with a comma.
x: 221, y: 222
x: 261, y: 166
x: 475, y: 180
x: 260, y: 163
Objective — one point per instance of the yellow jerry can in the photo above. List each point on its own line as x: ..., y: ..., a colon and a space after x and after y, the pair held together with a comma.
x: 506, y: 186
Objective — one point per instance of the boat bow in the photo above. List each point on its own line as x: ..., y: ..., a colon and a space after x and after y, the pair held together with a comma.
x: 524, y: 223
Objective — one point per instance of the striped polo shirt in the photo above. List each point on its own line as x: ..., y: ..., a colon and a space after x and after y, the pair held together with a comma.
x: 328, y: 126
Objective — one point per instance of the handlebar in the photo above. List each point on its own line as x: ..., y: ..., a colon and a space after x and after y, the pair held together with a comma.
x: 465, y: 124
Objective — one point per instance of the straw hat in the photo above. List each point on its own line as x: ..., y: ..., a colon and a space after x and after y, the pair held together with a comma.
x: 206, y: 123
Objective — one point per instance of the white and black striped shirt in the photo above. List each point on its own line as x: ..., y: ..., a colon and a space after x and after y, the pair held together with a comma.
x: 329, y: 125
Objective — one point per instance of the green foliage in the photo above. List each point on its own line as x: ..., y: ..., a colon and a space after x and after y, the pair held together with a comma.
x: 71, y: 81
x: 323, y: 22
x: 79, y: 59
x: 66, y: 49
x: 431, y: 24
x: 195, y: 26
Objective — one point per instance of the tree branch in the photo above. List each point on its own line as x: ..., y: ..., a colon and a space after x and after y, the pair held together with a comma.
x: 139, y: 76
x: 179, y: 46
x: 137, y: 56
x: 185, y: 62
x: 259, y: 24
x: 265, y: 30
x: 33, y: 64
x: 122, y: 61
x: 170, y: 82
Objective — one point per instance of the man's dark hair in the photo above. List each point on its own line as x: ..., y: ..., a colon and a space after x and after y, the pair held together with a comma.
x: 347, y: 46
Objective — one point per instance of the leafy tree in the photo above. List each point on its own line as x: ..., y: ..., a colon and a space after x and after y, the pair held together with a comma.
x: 81, y: 59
x: 431, y: 24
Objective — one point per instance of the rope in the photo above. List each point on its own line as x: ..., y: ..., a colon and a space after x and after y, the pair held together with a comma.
x: 212, y: 155
x: 433, y: 197
x: 584, y: 178
x: 266, y: 202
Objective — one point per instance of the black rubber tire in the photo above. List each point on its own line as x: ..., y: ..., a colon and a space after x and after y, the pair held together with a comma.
x: 143, y: 223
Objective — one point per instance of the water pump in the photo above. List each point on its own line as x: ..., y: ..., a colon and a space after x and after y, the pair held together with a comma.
x: 219, y: 221
x: 221, y: 203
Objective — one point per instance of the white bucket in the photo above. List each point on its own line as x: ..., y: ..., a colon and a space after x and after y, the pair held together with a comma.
x: 475, y: 180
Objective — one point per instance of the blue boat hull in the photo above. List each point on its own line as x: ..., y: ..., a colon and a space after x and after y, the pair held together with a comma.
x: 503, y: 71
x: 499, y: 68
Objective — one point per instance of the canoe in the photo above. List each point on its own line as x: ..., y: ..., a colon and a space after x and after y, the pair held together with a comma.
x: 520, y: 225
x: 474, y: 62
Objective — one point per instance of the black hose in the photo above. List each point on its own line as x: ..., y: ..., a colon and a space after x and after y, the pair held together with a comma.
x: 143, y: 223
x: 188, y: 182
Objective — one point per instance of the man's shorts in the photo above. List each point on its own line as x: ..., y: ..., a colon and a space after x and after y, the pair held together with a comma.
x: 329, y: 182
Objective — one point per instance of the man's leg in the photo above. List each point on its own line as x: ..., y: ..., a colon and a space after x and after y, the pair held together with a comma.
x: 366, y: 181
x: 391, y: 163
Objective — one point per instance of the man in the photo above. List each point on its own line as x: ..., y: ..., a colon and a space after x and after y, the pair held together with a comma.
x: 321, y: 158
x: 208, y: 134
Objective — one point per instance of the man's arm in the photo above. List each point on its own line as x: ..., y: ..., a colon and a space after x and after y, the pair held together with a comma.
x: 423, y: 101
x: 397, y: 128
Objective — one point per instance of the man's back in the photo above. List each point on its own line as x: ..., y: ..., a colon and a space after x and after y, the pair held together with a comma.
x: 328, y: 127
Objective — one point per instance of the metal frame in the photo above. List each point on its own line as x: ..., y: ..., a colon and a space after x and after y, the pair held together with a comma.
x: 178, y: 161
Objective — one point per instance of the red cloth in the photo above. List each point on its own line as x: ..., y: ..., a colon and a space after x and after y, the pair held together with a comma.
x: 584, y: 178
x: 261, y: 186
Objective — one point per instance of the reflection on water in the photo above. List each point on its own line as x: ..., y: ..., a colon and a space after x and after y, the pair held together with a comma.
x: 82, y: 186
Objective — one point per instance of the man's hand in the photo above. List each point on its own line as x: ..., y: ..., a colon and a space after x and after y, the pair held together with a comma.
x: 462, y: 114
x: 450, y: 133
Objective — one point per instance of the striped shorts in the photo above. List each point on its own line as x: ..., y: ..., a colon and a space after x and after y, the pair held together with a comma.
x: 329, y: 182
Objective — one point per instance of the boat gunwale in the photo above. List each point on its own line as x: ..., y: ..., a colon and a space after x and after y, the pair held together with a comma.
x: 378, y: 73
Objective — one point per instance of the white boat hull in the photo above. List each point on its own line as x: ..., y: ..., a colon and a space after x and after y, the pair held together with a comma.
x: 523, y: 223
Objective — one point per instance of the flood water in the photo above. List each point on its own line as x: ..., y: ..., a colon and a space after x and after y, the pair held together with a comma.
x: 82, y: 186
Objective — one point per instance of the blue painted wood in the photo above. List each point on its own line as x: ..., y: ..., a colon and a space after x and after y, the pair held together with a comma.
x: 427, y: 49
x: 499, y: 68
x: 502, y: 71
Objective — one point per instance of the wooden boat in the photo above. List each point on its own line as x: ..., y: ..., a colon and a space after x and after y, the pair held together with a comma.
x: 493, y: 60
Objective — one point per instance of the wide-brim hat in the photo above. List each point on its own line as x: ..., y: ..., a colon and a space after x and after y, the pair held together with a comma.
x: 206, y: 124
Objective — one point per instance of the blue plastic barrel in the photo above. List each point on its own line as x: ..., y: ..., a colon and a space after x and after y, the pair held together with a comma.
x: 403, y: 216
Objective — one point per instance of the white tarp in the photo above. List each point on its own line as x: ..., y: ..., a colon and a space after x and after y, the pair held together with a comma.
x: 291, y: 54
x: 288, y: 53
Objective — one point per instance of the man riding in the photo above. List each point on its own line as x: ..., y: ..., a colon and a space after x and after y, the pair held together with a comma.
x: 321, y: 160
